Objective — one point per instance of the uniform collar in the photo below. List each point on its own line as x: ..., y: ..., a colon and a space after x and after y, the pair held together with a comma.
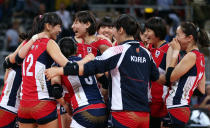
x: 130, y: 42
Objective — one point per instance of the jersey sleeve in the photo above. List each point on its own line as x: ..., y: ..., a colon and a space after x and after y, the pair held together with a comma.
x: 107, y: 61
x: 100, y: 42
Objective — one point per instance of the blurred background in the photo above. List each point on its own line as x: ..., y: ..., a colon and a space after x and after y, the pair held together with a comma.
x: 16, y: 16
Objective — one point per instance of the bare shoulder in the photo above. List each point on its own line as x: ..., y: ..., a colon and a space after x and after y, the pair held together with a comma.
x: 190, y: 55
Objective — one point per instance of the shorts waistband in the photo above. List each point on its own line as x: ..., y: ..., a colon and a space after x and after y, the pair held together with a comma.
x: 91, y: 106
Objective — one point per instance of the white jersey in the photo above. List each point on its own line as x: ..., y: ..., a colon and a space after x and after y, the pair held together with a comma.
x: 9, y: 99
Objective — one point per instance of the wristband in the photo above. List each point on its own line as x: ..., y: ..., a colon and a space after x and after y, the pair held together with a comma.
x: 168, y: 75
x: 57, y: 91
x: 71, y: 69
x: 18, y: 59
x: 7, y: 64
x: 35, y: 37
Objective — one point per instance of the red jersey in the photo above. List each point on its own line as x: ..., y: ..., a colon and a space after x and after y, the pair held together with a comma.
x: 141, y: 44
x: 180, y: 93
x: 35, y: 86
x: 84, y: 49
x: 100, y: 42
x: 158, y: 91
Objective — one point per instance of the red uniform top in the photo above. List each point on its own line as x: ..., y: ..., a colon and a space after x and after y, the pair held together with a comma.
x: 158, y: 91
x: 35, y: 86
x: 100, y: 42
x: 141, y: 44
x: 84, y: 49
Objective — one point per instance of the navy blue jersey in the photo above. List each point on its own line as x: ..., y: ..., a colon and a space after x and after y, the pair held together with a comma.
x: 132, y: 68
x: 83, y: 90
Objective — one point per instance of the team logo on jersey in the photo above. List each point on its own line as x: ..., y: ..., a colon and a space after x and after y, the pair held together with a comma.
x: 89, y: 49
x: 137, y: 50
x: 157, y: 53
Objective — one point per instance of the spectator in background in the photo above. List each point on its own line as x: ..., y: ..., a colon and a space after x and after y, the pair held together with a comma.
x: 6, y: 10
x: 19, y: 5
x: 12, y: 36
x: 1, y: 9
x: 66, y: 20
x: 78, y: 5
x: 164, y: 7
x: 31, y: 7
x: 42, y: 9
x: 205, y: 104
x: 173, y: 22
x: 64, y: 15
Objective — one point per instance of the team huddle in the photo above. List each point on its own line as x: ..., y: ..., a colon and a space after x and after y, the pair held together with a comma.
x: 97, y: 81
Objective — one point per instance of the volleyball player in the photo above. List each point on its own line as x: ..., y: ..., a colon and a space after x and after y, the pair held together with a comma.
x: 185, y: 75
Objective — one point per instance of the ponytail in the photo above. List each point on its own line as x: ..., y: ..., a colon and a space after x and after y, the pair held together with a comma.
x: 203, y: 39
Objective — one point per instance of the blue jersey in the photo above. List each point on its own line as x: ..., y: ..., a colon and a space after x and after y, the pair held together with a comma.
x: 83, y: 90
x: 132, y: 68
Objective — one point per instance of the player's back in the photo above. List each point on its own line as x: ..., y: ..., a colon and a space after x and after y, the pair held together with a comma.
x: 83, y: 89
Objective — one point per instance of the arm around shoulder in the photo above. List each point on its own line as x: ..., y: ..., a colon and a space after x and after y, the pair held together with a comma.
x: 56, y: 54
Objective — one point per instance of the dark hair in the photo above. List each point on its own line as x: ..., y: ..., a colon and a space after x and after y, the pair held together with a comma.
x: 158, y: 25
x: 105, y: 21
x: 39, y: 22
x: 50, y: 18
x: 85, y: 17
x: 128, y: 23
x: 141, y: 29
x: 34, y: 30
x: 199, y: 35
x: 68, y: 46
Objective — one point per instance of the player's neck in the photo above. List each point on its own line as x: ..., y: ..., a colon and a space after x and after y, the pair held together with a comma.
x: 160, y: 42
x: 191, y: 47
x: 125, y: 38
x: 90, y: 39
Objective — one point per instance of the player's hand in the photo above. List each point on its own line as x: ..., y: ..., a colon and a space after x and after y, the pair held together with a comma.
x: 99, y: 37
x: 52, y: 72
x: 207, y: 97
x: 87, y: 58
x: 175, y: 44
x: 162, y: 79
